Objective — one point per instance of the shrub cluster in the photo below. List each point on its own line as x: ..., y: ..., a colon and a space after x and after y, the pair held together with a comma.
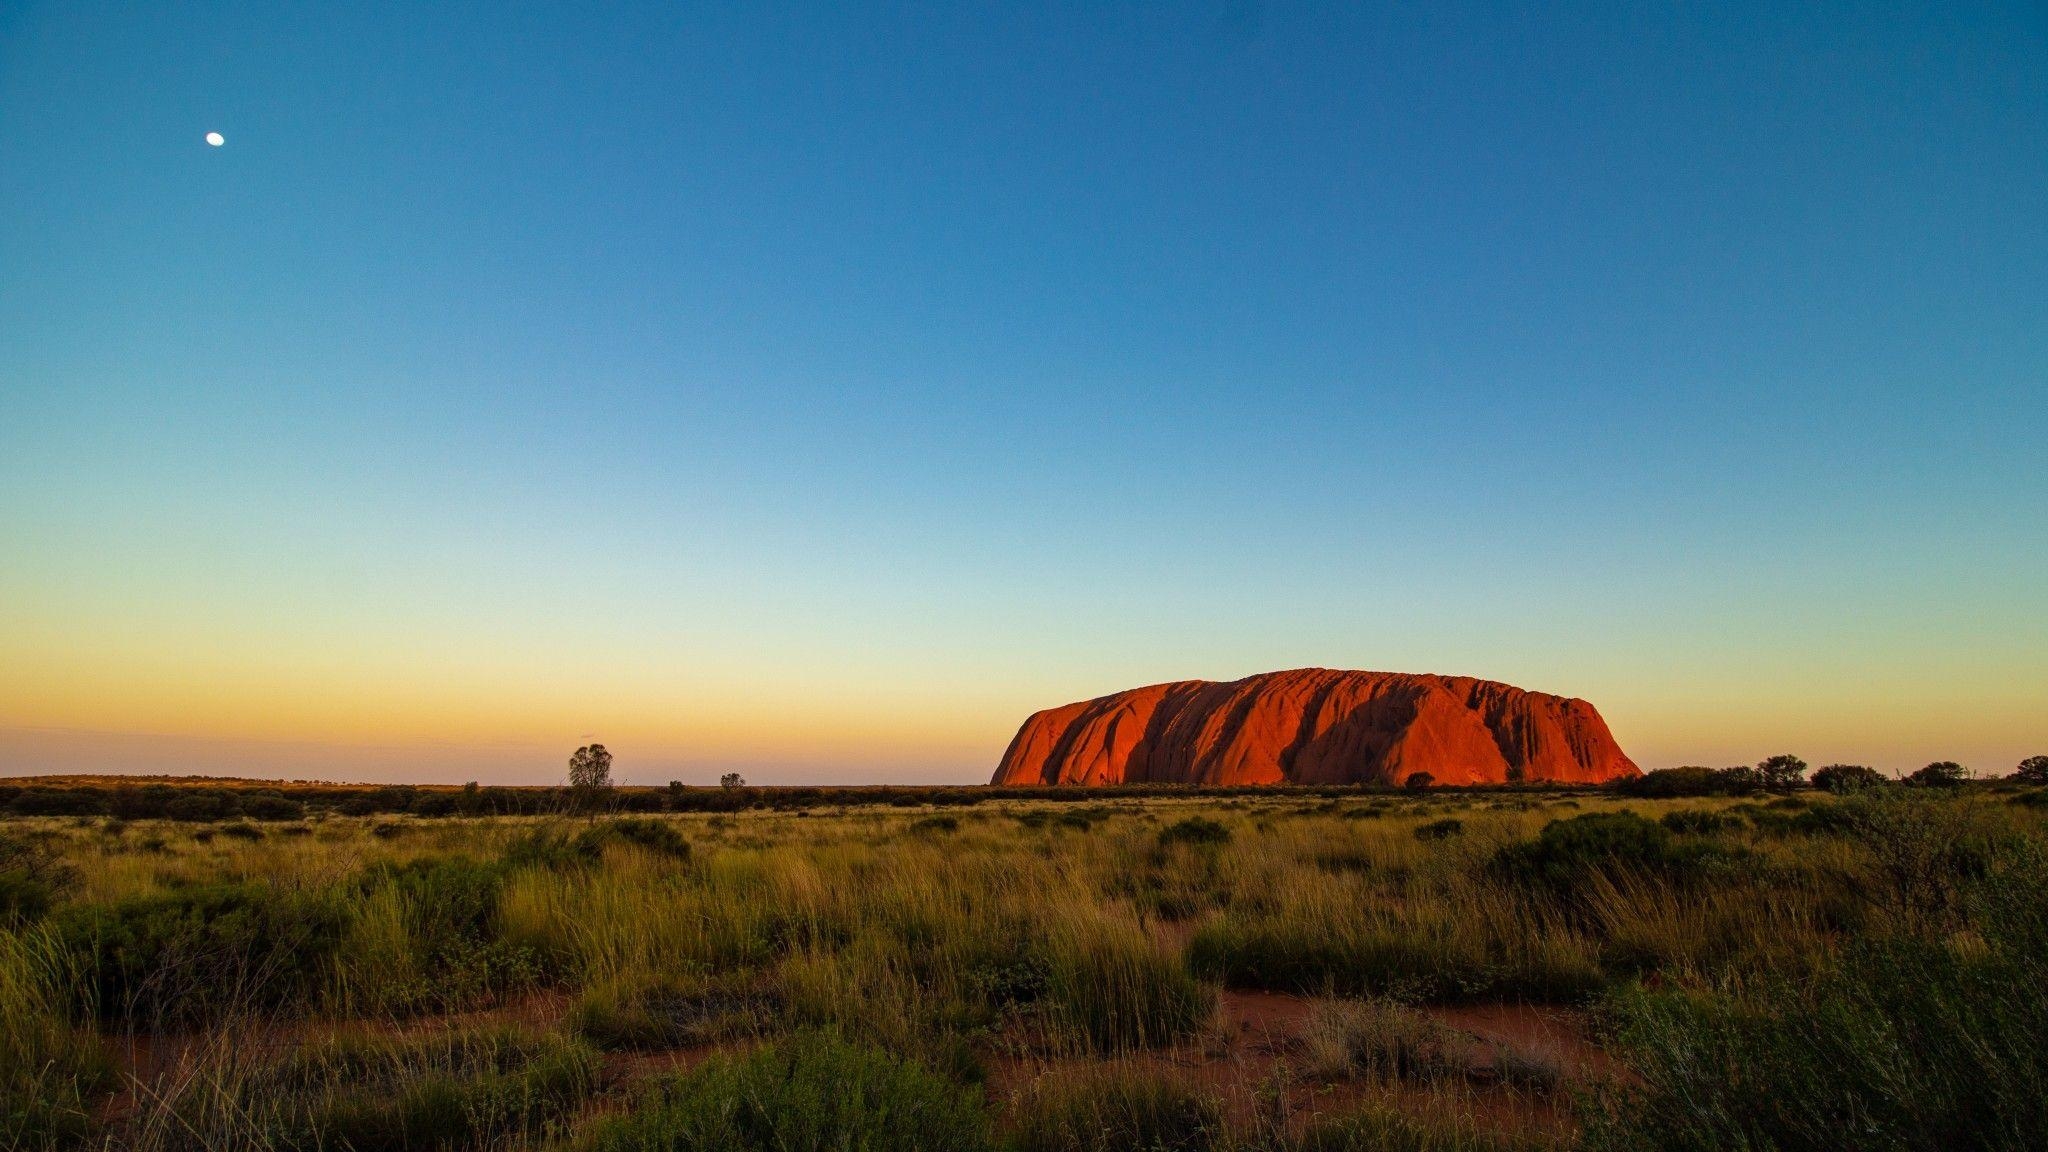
x: 188, y: 956
x: 814, y: 1091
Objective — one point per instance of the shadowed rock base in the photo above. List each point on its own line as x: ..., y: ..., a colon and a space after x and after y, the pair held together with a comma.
x: 1317, y: 726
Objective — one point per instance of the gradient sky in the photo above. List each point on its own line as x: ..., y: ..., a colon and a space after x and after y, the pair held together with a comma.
x: 818, y: 392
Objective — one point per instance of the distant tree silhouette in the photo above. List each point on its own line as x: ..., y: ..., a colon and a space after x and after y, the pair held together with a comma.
x: 590, y: 775
x: 1781, y: 773
x: 2032, y: 770
x: 1846, y: 778
x: 732, y: 780
x: 1940, y: 774
x: 1417, y: 781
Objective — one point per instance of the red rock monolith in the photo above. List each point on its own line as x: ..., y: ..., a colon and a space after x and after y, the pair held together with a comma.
x: 1317, y: 726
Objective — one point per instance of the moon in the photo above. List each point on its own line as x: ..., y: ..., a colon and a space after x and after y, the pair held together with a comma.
x: 216, y: 139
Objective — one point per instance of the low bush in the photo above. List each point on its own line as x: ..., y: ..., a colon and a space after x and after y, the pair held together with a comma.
x: 1699, y: 821
x: 269, y: 804
x: 1117, y: 1109
x: 198, y: 954
x: 1940, y: 774
x: 554, y: 850
x: 1904, y: 1044
x: 674, y: 1013
x: 453, y: 950
x: 657, y: 836
x: 1692, y: 780
x: 1841, y: 778
x: 1440, y: 829
x: 31, y: 878
x: 813, y: 1093
x: 1195, y: 830
x: 1566, y: 853
x: 461, y: 1089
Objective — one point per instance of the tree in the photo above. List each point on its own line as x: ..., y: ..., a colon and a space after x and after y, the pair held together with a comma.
x: 1940, y: 774
x: 2032, y: 770
x: 590, y: 774
x: 732, y: 780
x: 1418, y: 781
x: 1740, y: 780
x: 1846, y: 778
x: 1781, y: 773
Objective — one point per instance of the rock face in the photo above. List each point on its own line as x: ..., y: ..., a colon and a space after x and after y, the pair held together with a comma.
x: 1317, y: 726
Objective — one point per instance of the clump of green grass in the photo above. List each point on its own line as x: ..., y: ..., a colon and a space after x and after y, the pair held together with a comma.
x: 51, y: 1073
x: 1906, y: 1042
x: 1110, y: 989
x: 1380, y: 1039
x: 1699, y: 822
x: 1118, y: 1108
x: 811, y: 1093
x: 657, y: 1013
x: 464, y: 1089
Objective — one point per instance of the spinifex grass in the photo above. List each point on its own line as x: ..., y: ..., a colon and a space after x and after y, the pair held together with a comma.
x: 967, y: 945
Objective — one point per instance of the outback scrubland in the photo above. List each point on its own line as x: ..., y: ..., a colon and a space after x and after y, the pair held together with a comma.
x: 1283, y: 970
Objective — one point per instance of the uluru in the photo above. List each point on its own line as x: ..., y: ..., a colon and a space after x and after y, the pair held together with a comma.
x: 1317, y: 726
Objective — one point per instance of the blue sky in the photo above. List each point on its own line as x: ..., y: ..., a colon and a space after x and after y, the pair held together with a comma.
x: 818, y: 391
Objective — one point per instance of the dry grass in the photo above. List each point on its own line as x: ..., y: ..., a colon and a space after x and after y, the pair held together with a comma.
x: 1056, y: 937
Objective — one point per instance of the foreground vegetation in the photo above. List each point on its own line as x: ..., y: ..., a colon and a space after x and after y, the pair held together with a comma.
x: 1311, y: 971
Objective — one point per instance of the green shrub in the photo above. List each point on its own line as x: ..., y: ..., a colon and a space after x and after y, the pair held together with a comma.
x: 1692, y: 780
x: 934, y: 825
x: 656, y: 836
x: 814, y: 1093
x: 450, y: 914
x: 553, y: 850
x: 1440, y: 829
x: 1195, y: 830
x: 1566, y: 852
x: 1117, y: 1109
x: 673, y: 1013
x: 446, y: 1090
x: 269, y: 804
x: 1699, y: 821
x: 1840, y: 778
x: 194, y: 955
x: 1940, y: 774
x: 1904, y: 1044
x: 31, y: 878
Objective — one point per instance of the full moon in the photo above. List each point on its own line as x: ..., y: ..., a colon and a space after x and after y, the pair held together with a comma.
x: 216, y: 139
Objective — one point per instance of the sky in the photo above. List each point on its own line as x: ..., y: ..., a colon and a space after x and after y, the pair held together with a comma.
x: 816, y: 391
